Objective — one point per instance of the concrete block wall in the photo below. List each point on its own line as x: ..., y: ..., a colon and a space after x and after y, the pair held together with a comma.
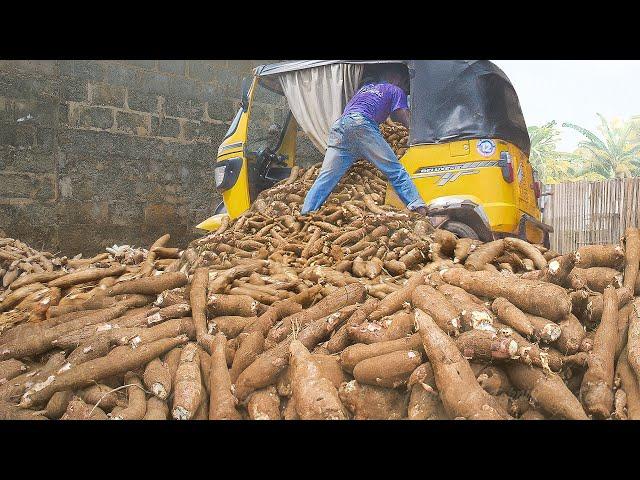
x: 94, y: 153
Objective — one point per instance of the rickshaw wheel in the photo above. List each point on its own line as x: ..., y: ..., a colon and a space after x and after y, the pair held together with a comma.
x: 461, y: 230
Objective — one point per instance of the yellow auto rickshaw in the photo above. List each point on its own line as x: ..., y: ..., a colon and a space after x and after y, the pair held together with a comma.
x: 467, y: 151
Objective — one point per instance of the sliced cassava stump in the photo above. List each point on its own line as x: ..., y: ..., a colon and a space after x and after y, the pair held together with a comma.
x: 529, y: 353
x: 558, y: 269
x: 474, y: 314
x: 464, y: 246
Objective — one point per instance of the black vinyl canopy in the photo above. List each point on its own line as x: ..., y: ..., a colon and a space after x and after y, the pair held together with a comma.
x: 464, y: 99
x: 450, y: 99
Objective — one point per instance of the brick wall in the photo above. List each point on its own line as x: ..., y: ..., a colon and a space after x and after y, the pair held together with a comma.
x: 94, y: 153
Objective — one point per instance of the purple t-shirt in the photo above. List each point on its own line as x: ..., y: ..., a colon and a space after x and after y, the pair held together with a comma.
x: 376, y: 101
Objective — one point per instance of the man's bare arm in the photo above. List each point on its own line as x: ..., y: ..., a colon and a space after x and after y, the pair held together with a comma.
x: 401, y: 115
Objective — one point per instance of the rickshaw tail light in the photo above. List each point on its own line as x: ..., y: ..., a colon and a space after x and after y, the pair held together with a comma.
x: 537, y: 185
x: 537, y: 189
x: 506, y: 165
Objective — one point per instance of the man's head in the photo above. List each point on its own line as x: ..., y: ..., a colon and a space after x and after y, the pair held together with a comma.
x: 396, y: 74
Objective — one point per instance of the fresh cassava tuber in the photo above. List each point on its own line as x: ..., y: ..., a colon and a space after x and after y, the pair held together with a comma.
x: 357, y: 310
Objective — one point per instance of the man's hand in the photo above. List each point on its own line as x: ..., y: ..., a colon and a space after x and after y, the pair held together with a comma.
x: 401, y: 115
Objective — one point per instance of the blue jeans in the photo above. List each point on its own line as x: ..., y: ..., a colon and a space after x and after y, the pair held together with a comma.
x: 351, y: 137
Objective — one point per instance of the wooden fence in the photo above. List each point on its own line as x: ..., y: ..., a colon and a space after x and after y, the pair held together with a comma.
x: 584, y: 213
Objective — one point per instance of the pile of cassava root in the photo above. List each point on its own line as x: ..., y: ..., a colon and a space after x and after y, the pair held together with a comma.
x: 357, y: 311
x: 397, y: 135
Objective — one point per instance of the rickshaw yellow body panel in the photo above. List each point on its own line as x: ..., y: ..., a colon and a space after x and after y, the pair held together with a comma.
x: 212, y: 223
x: 463, y: 169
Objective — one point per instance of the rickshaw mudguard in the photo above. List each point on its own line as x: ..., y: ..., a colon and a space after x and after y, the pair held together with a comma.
x: 463, y: 210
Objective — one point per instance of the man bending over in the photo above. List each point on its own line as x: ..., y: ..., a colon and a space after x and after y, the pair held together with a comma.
x: 356, y: 135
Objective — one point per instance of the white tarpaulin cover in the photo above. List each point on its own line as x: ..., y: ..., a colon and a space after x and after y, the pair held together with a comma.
x: 317, y: 96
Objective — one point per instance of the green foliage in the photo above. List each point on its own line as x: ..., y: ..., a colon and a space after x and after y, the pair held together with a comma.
x: 634, y: 137
x: 552, y: 165
x: 613, y: 153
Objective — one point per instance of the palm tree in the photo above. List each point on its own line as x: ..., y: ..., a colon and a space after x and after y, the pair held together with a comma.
x: 634, y: 124
x: 543, y: 146
x: 552, y: 166
x: 612, y: 156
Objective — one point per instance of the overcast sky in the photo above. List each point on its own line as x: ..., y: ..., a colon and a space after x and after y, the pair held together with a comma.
x: 574, y: 90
